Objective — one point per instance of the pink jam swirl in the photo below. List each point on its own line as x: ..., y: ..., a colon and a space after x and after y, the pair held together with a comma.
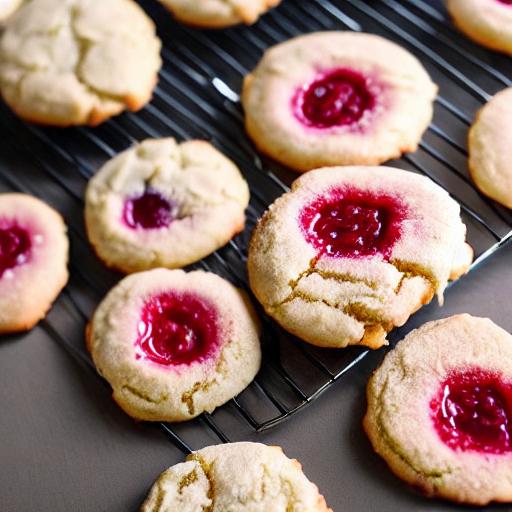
x: 15, y: 246
x: 473, y: 411
x: 339, y: 97
x: 353, y: 223
x: 177, y: 328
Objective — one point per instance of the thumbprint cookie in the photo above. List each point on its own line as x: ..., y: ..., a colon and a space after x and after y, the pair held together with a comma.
x: 235, y: 477
x: 490, y: 140
x: 352, y: 252
x: 337, y: 98
x: 33, y: 260
x: 218, y: 13
x: 173, y: 344
x: 488, y: 22
x: 440, y: 410
x: 164, y: 204
x: 78, y: 62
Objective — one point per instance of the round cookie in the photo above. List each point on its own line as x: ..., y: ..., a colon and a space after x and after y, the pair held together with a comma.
x: 218, y: 13
x: 440, y: 410
x: 75, y: 62
x: 488, y: 22
x: 164, y: 204
x: 337, y: 98
x: 352, y: 252
x: 235, y: 477
x: 173, y: 344
x: 490, y: 139
x: 33, y: 260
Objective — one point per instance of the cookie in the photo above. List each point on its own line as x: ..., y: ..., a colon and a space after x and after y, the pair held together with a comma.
x: 490, y: 139
x: 75, y: 62
x: 173, y: 344
x: 164, y: 204
x: 337, y: 98
x: 235, y: 477
x: 440, y: 410
x: 352, y: 252
x: 7, y: 7
x: 33, y: 260
x: 218, y: 13
x: 488, y: 22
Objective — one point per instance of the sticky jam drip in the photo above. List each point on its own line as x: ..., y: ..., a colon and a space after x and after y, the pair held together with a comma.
x: 337, y: 98
x: 353, y: 223
x: 177, y: 328
x: 473, y: 411
x: 149, y: 211
x: 15, y: 246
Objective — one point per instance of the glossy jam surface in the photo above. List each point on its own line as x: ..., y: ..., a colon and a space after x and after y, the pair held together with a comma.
x: 506, y: 2
x: 177, y: 328
x: 149, y: 211
x: 15, y: 245
x: 473, y: 411
x: 353, y: 223
x: 337, y: 98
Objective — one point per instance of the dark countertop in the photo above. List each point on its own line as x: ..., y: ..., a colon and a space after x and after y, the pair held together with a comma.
x: 66, y: 446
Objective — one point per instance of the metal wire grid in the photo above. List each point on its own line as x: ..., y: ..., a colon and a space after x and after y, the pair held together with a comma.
x: 197, y: 97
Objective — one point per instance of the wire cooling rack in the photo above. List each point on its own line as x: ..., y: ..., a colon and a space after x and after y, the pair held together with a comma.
x: 197, y: 97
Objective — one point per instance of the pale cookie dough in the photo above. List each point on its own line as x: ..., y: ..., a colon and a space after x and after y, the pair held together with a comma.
x: 440, y: 410
x: 33, y: 260
x: 164, y: 204
x: 490, y: 140
x: 173, y: 344
x: 337, y: 98
x: 75, y: 62
x: 488, y: 22
x: 352, y: 252
x: 235, y: 477
x: 218, y: 13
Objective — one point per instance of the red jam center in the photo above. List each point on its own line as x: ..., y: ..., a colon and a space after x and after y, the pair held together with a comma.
x: 177, y: 328
x: 506, y: 2
x: 353, y: 223
x: 337, y: 98
x: 473, y: 411
x: 15, y: 247
x: 149, y: 211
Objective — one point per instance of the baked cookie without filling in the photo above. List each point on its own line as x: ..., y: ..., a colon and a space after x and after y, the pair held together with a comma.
x: 440, y: 410
x: 173, y: 344
x: 218, y: 13
x: 488, y: 22
x: 352, y: 252
x: 164, y: 204
x: 75, y: 62
x: 235, y: 477
x: 337, y: 98
x: 490, y: 140
x: 33, y: 260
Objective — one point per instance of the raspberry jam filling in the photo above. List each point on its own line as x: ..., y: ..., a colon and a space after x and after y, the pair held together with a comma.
x: 353, y: 223
x: 177, y: 328
x: 149, y: 211
x: 337, y: 98
x: 506, y: 2
x: 15, y: 245
x: 473, y: 411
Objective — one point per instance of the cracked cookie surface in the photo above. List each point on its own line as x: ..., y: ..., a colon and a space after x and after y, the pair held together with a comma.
x: 440, y: 410
x: 235, y: 477
x: 352, y: 252
x: 487, y: 22
x: 490, y: 139
x: 75, y: 62
x: 218, y: 13
x: 33, y: 260
x: 164, y: 204
x: 173, y: 344
x: 337, y: 98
